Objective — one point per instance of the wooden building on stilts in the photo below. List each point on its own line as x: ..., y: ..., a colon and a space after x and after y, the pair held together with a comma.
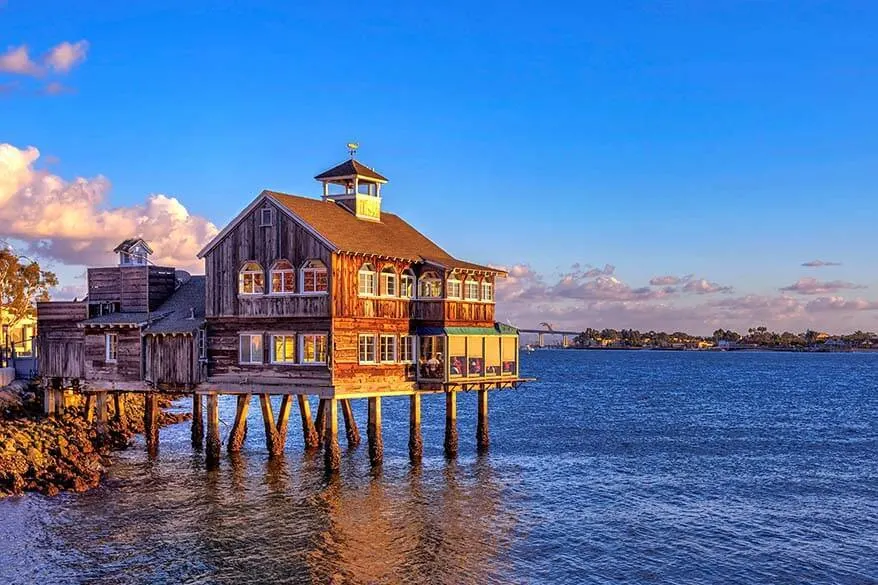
x: 331, y: 298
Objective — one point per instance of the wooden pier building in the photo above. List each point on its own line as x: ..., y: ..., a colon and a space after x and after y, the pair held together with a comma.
x: 332, y: 298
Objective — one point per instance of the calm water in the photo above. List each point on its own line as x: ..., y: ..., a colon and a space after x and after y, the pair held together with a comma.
x: 617, y: 467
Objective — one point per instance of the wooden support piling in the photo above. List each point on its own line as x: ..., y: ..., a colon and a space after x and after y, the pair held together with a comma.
x: 275, y: 432
x: 450, y: 424
x: 482, y: 439
x: 213, y: 433
x: 320, y: 421
x: 309, y: 433
x: 332, y: 453
x: 376, y: 443
x: 89, y: 407
x: 49, y: 398
x: 416, y: 443
x: 119, y: 409
x: 102, y: 412
x: 197, y: 434
x: 151, y: 422
x: 239, y: 427
x: 350, y: 424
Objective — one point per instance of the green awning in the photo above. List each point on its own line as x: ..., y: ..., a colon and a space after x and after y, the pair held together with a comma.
x: 497, y: 329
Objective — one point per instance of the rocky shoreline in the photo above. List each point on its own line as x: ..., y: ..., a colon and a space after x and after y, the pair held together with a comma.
x: 66, y: 453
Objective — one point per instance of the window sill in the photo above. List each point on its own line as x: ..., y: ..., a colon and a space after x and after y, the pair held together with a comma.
x: 250, y: 363
x: 311, y: 364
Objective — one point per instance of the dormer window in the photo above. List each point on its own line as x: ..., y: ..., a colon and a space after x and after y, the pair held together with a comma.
x: 368, y: 280
x: 388, y: 282
x: 471, y: 289
x: 133, y: 252
x: 429, y: 286
x: 314, y: 277
x: 283, y: 277
x: 407, y: 284
x: 453, y: 286
x: 251, y: 279
x: 266, y: 217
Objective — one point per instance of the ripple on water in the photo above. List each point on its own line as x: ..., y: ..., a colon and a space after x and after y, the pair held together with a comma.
x: 616, y: 467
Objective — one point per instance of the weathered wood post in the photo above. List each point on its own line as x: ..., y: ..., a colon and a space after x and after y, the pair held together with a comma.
x: 416, y: 443
x: 308, y: 431
x: 482, y: 440
x: 350, y: 423
x: 197, y: 434
x: 320, y: 421
x: 89, y: 407
x: 451, y: 424
x: 331, y: 453
x: 373, y: 431
x: 49, y: 398
x: 119, y: 408
x: 275, y: 433
x: 102, y: 412
x: 150, y: 422
x: 239, y: 427
x: 213, y: 433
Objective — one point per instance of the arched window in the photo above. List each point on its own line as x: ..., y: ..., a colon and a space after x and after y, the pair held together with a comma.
x: 453, y: 290
x: 471, y: 289
x: 429, y: 286
x: 283, y: 277
x: 368, y: 280
x: 314, y: 277
x: 388, y: 282
x: 251, y: 279
x: 407, y: 284
x: 487, y: 291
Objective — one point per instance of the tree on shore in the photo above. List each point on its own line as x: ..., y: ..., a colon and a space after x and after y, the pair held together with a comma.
x: 22, y: 284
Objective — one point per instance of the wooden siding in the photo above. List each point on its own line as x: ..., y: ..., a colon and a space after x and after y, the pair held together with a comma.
x: 128, y: 348
x: 128, y: 285
x: 454, y: 313
x: 59, y: 341
x: 171, y: 360
x: 348, y: 374
x: 284, y: 239
x: 223, y: 344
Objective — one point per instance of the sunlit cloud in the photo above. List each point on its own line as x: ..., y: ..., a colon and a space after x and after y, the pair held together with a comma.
x: 811, y: 286
x: 70, y: 221
x: 820, y: 263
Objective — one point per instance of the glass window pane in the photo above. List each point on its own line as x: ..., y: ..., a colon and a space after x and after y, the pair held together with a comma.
x: 492, y: 356
x: 457, y: 355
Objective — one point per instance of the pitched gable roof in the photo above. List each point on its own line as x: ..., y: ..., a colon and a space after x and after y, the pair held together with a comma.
x: 126, y: 245
x: 349, y: 168
x: 391, y: 237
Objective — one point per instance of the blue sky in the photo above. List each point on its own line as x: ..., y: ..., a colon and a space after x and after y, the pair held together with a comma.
x: 731, y: 141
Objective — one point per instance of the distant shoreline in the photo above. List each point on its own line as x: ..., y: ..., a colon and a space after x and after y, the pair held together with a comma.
x: 712, y: 349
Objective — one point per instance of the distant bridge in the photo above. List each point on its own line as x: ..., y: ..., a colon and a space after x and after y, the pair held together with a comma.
x: 549, y: 329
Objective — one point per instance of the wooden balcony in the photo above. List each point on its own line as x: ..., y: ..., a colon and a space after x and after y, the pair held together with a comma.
x: 298, y: 305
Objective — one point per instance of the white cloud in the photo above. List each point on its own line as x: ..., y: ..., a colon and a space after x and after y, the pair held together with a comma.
x: 811, y: 286
x: 69, y: 221
x: 17, y: 60
x: 65, y: 56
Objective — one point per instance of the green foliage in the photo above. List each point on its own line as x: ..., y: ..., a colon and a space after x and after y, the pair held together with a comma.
x: 22, y: 284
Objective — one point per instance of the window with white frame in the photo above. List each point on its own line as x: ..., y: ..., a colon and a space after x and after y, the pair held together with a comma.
x: 487, y: 291
x: 313, y: 348
x: 283, y: 349
x: 388, y: 282
x: 250, y: 348
x: 110, y: 340
x: 283, y: 277
x: 266, y: 216
x: 407, y: 285
x: 315, y: 277
x: 471, y: 289
x: 387, y: 348
x: 366, y: 349
x: 429, y: 286
x: 406, y: 348
x: 251, y: 279
x: 453, y: 290
x: 368, y: 280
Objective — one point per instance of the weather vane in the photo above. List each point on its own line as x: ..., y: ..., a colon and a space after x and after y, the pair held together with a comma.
x: 352, y: 148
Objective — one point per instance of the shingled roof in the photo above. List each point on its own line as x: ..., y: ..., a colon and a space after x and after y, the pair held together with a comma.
x: 183, y: 312
x: 349, y: 168
x: 391, y: 237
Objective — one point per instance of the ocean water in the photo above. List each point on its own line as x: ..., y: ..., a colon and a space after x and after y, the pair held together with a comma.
x: 616, y: 467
